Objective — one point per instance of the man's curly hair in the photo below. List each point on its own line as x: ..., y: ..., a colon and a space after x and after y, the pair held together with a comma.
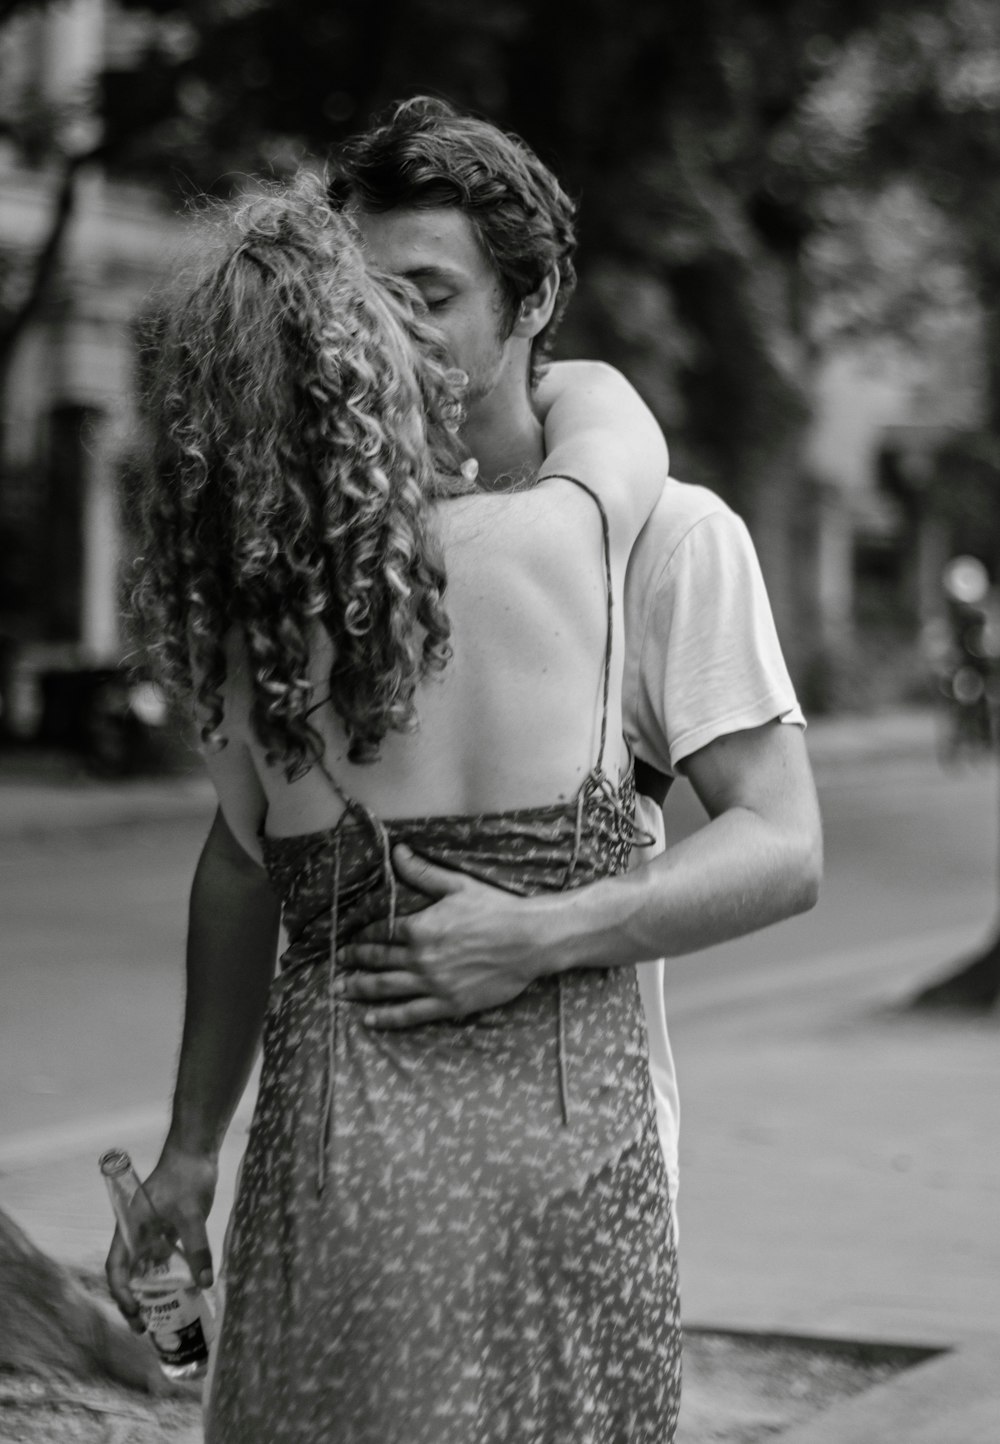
x: 301, y: 415
x: 424, y: 153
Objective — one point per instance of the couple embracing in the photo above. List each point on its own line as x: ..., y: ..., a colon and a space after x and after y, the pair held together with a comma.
x: 435, y: 603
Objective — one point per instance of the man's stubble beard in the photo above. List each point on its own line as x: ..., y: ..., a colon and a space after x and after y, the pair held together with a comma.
x: 486, y: 378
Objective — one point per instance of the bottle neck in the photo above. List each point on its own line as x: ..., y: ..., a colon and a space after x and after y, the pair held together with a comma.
x: 142, y: 1230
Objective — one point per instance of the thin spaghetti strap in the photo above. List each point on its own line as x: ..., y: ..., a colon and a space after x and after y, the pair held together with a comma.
x: 606, y: 533
x: 345, y: 798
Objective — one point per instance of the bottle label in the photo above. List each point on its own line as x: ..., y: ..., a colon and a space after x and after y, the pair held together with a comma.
x: 174, y: 1312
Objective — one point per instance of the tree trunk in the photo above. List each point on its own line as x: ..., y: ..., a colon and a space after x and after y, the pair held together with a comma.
x: 45, y: 266
x: 50, y: 1325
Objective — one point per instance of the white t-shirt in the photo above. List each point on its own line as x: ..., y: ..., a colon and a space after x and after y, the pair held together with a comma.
x: 702, y: 660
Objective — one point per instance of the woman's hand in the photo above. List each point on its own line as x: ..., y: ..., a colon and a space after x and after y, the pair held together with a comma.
x: 477, y: 947
x: 181, y: 1188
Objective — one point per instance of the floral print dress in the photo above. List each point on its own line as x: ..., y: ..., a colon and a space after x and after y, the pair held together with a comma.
x: 460, y: 1233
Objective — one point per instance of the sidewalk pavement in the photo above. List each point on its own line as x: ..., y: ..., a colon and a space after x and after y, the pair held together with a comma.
x: 840, y: 1179
x: 840, y: 1169
x: 49, y: 793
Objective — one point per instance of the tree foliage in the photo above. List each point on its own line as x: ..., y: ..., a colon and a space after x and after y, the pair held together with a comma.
x: 730, y: 156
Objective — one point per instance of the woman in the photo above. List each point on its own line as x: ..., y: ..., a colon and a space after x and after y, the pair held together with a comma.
x: 462, y: 1232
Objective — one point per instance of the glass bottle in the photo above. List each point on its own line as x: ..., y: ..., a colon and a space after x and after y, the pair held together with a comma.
x: 176, y: 1312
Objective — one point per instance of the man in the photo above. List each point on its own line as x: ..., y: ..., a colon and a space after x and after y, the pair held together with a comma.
x: 476, y: 221
x: 483, y: 229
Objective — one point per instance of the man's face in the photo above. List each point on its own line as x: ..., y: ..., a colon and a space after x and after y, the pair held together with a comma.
x: 437, y: 250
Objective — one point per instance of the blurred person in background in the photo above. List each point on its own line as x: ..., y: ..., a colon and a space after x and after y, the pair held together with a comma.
x: 477, y: 222
x: 460, y: 1230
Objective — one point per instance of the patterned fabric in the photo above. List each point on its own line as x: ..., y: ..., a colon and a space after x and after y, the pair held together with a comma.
x: 460, y: 1233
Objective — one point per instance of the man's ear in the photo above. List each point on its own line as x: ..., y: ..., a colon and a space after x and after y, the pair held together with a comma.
x: 535, y: 310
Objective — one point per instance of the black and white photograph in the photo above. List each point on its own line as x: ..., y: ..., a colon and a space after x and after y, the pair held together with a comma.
x: 499, y: 722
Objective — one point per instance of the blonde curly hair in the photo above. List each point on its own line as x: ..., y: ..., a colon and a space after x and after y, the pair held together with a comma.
x: 301, y: 416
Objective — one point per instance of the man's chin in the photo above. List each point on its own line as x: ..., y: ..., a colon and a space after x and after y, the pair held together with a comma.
x: 480, y: 388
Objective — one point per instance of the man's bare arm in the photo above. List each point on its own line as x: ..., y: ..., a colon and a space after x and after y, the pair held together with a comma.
x: 599, y: 429
x: 757, y: 860
x: 232, y: 941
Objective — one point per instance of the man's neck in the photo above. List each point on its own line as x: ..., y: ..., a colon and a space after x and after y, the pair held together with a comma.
x: 508, y: 445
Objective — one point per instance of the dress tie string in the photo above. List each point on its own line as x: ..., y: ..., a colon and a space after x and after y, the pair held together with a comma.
x: 626, y: 832
x: 327, y: 1121
x: 326, y: 1118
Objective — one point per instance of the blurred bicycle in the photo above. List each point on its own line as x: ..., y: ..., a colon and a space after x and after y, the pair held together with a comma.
x: 961, y: 648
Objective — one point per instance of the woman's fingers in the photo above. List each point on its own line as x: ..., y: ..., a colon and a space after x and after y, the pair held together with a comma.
x: 117, y: 1270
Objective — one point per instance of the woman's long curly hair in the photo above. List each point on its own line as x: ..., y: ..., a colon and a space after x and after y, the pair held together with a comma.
x: 301, y: 417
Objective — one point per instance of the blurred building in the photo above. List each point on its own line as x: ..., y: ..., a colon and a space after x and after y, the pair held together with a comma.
x: 68, y: 397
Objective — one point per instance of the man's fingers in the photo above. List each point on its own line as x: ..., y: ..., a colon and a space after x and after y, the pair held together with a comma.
x: 375, y: 987
x: 376, y: 933
x: 393, y: 1016
x: 426, y: 877
x: 373, y: 957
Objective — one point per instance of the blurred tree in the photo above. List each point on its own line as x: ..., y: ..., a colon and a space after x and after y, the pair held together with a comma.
x: 938, y: 119
x: 699, y: 136
x: 52, y: 141
x: 48, y: 134
x: 706, y: 140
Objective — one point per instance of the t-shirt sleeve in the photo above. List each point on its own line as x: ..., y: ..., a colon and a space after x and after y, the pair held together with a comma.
x: 709, y: 660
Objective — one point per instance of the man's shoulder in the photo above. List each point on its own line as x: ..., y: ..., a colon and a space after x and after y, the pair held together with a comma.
x: 682, y: 507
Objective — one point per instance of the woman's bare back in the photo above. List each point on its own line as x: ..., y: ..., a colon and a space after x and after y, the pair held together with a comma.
x: 515, y: 719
